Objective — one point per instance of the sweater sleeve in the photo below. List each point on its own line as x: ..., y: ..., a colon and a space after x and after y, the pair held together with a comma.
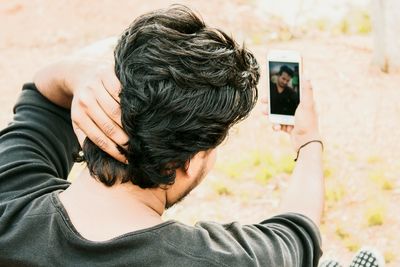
x: 286, y: 240
x: 36, y: 148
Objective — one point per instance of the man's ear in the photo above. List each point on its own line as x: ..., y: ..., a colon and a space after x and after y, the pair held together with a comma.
x: 193, y: 166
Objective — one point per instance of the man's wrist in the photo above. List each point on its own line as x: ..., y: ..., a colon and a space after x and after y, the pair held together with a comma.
x: 309, y: 143
x: 51, y: 82
x: 66, y: 78
x: 300, y: 140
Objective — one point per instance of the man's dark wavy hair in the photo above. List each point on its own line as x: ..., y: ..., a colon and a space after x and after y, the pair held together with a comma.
x: 184, y: 85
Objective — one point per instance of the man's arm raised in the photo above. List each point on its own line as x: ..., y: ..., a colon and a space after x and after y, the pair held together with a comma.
x: 305, y: 194
x: 86, y: 84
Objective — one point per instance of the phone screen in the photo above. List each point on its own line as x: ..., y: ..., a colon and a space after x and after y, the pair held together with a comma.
x: 284, y: 87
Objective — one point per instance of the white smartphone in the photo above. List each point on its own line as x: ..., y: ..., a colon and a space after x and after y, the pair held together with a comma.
x: 284, y: 85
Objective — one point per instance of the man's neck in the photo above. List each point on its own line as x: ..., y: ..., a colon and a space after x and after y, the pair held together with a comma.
x: 115, y: 210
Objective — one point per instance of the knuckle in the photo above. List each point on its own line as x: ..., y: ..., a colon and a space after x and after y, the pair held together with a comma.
x: 90, y: 89
x: 75, y: 127
x: 100, y: 72
x: 83, y: 100
x: 100, y: 142
x: 116, y: 111
x: 76, y: 118
x: 108, y: 128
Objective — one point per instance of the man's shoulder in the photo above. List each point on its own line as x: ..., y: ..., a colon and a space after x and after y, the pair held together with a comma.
x: 35, y: 204
x: 248, y: 244
x: 32, y: 215
x: 205, y: 244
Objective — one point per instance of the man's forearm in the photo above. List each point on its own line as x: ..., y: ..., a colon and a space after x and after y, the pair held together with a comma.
x: 50, y: 81
x: 305, y: 194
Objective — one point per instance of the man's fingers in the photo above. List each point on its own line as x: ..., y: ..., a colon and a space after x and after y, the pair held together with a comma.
x: 283, y: 128
x: 100, y: 140
x: 89, y: 110
x: 109, y: 105
x: 287, y: 128
x: 111, y: 84
x: 107, y: 126
x: 79, y: 134
x: 84, y: 126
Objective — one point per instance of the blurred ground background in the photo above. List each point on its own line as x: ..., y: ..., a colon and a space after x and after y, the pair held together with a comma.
x: 359, y: 107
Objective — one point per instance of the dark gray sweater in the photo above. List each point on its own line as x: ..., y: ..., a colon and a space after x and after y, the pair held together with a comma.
x: 35, y: 230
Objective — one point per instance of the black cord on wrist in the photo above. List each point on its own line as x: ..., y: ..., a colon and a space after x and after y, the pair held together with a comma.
x: 309, y: 142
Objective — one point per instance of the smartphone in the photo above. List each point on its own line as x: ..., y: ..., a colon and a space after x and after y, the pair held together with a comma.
x: 284, y: 85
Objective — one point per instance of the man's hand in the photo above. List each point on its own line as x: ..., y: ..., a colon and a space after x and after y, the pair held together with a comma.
x: 95, y: 110
x: 306, y: 120
x: 88, y: 86
x: 305, y: 193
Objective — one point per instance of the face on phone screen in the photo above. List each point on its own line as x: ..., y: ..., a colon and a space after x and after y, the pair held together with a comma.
x: 284, y: 87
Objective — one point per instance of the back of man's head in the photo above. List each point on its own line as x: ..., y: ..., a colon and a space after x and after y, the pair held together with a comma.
x: 183, y: 86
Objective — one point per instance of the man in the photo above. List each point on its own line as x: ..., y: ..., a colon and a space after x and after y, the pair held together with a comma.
x: 183, y: 85
x: 284, y: 100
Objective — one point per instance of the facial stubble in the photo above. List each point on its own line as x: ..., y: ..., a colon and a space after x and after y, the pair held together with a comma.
x: 199, y: 177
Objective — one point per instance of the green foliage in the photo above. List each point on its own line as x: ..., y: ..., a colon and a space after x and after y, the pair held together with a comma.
x: 379, y: 178
x: 327, y: 171
x: 285, y: 34
x: 389, y: 256
x: 375, y: 215
x: 344, y: 26
x: 235, y: 169
x: 375, y: 219
x: 352, y: 245
x: 221, y: 189
x: 387, y: 185
x: 321, y: 24
x: 264, y: 166
x: 341, y: 233
x: 373, y: 159
x: 363, y: 22
x: 352, y: 157
x: 335, y: 192
x: 356, y: 21
x: 256, y: 160
x: 286, y: 164
x: 265, y: 174
x: 257, y: 38
x: 265, y: 158
x: 244, y: 196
